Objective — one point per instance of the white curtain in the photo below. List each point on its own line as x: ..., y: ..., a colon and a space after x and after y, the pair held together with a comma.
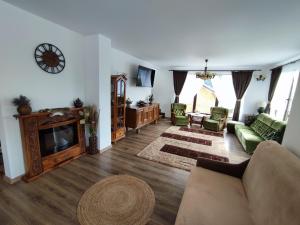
x: 191, y: 87
x: 223, y: 87
x: 285, y: 90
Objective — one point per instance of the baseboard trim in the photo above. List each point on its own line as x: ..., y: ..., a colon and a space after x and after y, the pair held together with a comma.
x: 12, y: 180
x: 105, y: 149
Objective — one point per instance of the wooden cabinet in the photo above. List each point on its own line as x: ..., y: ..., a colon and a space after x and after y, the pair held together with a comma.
x: 118, y: 106
x: 33, y: 127
x: 137, y: 117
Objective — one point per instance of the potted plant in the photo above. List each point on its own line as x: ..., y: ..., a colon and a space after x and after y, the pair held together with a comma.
x: 77, y: 103
x: 128, y: 102
x: 261, y: 109
x: 23, y: 105
x: 92, y: 116
x: 150, y: 99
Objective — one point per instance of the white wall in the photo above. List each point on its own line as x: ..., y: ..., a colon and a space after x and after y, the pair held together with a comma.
x: 19, y: 74
x: 125, y: 63
x: 257, y: 92
x: 291, y: 136
x: 163, y: 90
x: 97, y: 83
x: 105, y: 92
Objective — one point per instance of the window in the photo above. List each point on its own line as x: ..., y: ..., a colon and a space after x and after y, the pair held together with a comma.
x: 223, y: 87
x: 208, y: 91
x: 284, y: 94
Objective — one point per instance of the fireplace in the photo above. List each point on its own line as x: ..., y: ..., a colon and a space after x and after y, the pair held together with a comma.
x: 57, y: 139
x: 51, y: 138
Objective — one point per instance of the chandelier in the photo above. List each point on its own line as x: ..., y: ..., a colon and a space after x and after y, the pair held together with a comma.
x: 205, y: 75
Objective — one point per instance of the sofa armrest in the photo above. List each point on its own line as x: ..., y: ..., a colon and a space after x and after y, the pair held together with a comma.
x: 235, y: 170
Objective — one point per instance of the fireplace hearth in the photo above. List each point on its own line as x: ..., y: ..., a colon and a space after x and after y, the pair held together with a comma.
x: 57, y: 139
x: 50, y: 139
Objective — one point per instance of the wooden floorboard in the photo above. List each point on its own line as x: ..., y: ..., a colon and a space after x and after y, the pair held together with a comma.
x: 52, y: 199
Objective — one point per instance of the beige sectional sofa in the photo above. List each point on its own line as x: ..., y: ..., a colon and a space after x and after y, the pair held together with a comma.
x: 265, y: 191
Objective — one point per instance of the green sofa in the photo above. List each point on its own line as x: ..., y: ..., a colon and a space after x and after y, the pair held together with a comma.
x: 178, y: 115
x: 217, y: 120
x: 263, y: 128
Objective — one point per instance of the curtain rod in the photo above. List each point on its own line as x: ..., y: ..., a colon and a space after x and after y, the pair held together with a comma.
x: 287, y: 64
x: 215, y: 70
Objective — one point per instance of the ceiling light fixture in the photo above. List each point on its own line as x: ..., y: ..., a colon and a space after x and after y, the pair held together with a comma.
x: 261, y: 77
x: 206, y: 75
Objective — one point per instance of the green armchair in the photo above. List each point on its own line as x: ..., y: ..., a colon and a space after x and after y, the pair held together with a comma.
x: 178, y: 116
x: 217, y: 120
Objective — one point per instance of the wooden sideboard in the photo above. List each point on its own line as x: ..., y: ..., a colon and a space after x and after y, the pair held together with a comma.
x: 137, y: 117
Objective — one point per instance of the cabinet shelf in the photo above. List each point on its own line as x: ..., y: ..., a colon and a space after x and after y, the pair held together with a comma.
x: 118, y: 103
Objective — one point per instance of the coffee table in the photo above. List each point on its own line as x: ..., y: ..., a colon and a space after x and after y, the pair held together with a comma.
x: 197, y: 118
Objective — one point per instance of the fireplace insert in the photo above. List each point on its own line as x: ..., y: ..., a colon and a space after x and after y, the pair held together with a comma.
x: 57, y: 139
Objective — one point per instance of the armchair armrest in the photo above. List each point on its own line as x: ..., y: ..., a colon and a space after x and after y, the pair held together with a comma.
x: 205, y: 118
x: 235, y: 170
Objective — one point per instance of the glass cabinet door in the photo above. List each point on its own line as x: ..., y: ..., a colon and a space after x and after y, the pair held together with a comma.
x: 120, y: 103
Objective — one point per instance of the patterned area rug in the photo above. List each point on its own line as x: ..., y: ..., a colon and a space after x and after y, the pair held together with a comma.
x: 191, y: 154
x: 185, y: 138
x: 201, y: 131
x: 196, y: 142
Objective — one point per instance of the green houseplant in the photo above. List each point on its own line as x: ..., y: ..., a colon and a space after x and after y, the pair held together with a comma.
x: 91, y: 118
x: 23, y: 105
x: 150, y: 99
x: 77, y: 103
x: 128, y: 102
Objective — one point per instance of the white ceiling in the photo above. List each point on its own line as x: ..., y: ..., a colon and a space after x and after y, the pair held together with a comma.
x: 182, y: 33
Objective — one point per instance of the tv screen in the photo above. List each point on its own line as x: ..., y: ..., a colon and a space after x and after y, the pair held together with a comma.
x: 145, y: 77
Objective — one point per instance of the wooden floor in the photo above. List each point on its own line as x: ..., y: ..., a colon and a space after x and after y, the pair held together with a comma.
x: 52, y: 199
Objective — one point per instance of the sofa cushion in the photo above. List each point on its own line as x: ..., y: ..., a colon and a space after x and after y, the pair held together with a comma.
x: 268, y: 128
x: 217, y: 116
x: 242, y: 126
x: 261, y: 128
x: 211, y: 124
x: 248, y: 138
x: 213, y: 198
x: 278, y: 125
x: 181, y: 117
x: 272, y: 185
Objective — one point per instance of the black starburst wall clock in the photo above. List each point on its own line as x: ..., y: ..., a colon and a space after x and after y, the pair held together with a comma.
x: 49, y: 58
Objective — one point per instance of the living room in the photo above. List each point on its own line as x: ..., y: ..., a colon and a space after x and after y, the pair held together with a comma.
x: 98, y: 39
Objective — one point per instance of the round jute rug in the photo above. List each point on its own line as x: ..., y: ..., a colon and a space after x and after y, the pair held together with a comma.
x: 116, y: 200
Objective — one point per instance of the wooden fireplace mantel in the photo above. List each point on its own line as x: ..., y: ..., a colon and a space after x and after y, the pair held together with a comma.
x: 30, y: 125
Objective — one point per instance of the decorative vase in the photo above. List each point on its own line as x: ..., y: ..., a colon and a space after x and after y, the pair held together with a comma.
x: 92, y: 149
x: 24, y: 109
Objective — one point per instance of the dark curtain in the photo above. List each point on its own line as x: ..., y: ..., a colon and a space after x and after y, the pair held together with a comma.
x: 273, y: 83
x: 152, y: 77
x: 178, y: 80
x: 217, y: 102
x: 194, y: 103
x: 241, y: 81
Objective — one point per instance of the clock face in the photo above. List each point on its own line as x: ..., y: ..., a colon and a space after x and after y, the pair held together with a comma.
x: 49, y: 58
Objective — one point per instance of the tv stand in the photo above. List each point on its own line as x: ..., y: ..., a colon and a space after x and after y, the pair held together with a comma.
x: 137, y: 117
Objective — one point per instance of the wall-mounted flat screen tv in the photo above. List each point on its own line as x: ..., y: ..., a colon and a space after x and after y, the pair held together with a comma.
x: 145, y: 77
